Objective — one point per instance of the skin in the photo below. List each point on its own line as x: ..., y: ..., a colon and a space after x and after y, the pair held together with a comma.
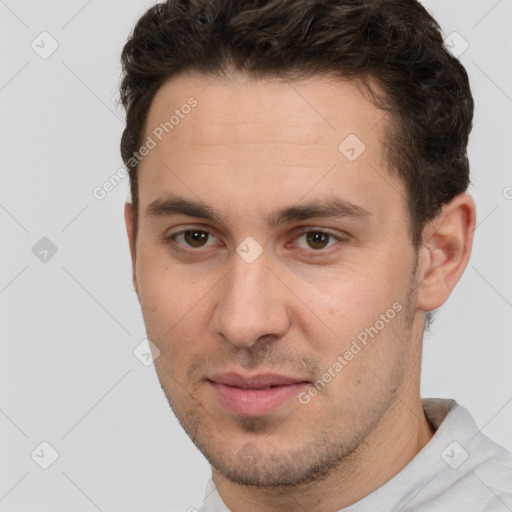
x: 247, y: 149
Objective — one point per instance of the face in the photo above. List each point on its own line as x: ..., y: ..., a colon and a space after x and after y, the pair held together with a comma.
x: 275, y: 272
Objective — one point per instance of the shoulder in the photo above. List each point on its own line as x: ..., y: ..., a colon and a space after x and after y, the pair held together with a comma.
x: 493, y: 478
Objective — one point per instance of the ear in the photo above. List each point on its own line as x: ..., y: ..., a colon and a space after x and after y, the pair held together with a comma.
x: 130, y: 230
x: 445, y: 251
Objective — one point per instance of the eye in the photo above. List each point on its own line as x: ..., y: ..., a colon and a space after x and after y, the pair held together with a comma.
x: 317, y: 239
x: 193, y: 238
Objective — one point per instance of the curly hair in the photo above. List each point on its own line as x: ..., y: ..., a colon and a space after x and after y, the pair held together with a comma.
x: 394, y: 43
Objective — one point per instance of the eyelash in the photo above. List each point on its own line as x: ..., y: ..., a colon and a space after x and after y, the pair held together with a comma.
x: 310, y: 253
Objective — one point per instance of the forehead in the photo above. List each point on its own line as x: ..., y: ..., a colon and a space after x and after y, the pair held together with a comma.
x: 318, y: 109
x: 266, y: 140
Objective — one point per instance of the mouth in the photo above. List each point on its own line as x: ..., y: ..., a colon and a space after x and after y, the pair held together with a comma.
x: 257, y: 395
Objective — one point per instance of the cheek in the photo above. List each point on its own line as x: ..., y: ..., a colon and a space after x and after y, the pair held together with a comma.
x: 358, y: 317
x: 343, y: 307
x: 162, y: 294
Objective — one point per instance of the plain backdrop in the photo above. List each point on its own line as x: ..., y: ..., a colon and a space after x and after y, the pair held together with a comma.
x: 69, y: 317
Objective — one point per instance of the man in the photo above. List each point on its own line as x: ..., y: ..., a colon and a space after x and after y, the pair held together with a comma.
x: 298, y: 174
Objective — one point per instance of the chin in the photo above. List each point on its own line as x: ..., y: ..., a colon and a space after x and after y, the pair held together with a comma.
x: 260, y: 464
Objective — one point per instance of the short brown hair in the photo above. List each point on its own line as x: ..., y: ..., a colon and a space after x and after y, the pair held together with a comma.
x: 395, y: 42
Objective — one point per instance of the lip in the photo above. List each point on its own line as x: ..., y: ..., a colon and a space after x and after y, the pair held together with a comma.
x: 256, y: 395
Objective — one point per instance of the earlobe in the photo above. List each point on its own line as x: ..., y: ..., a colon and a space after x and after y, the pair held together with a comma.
x: 445, y: 252
x: 130, y: 231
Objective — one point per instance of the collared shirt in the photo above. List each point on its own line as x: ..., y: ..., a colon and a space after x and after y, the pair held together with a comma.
x: 459, y: 470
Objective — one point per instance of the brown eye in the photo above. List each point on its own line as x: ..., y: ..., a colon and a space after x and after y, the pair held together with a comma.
x: 317, y: 239
x: 189, y: 238
x: 195, y: 238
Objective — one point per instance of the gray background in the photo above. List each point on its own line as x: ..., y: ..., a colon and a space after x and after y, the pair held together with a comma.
x: 69, y: 325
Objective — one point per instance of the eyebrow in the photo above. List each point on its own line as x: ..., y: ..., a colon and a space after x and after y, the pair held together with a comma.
x: 330, y: 207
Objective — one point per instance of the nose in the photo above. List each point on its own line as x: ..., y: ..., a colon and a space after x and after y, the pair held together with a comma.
x: 252, y: 303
